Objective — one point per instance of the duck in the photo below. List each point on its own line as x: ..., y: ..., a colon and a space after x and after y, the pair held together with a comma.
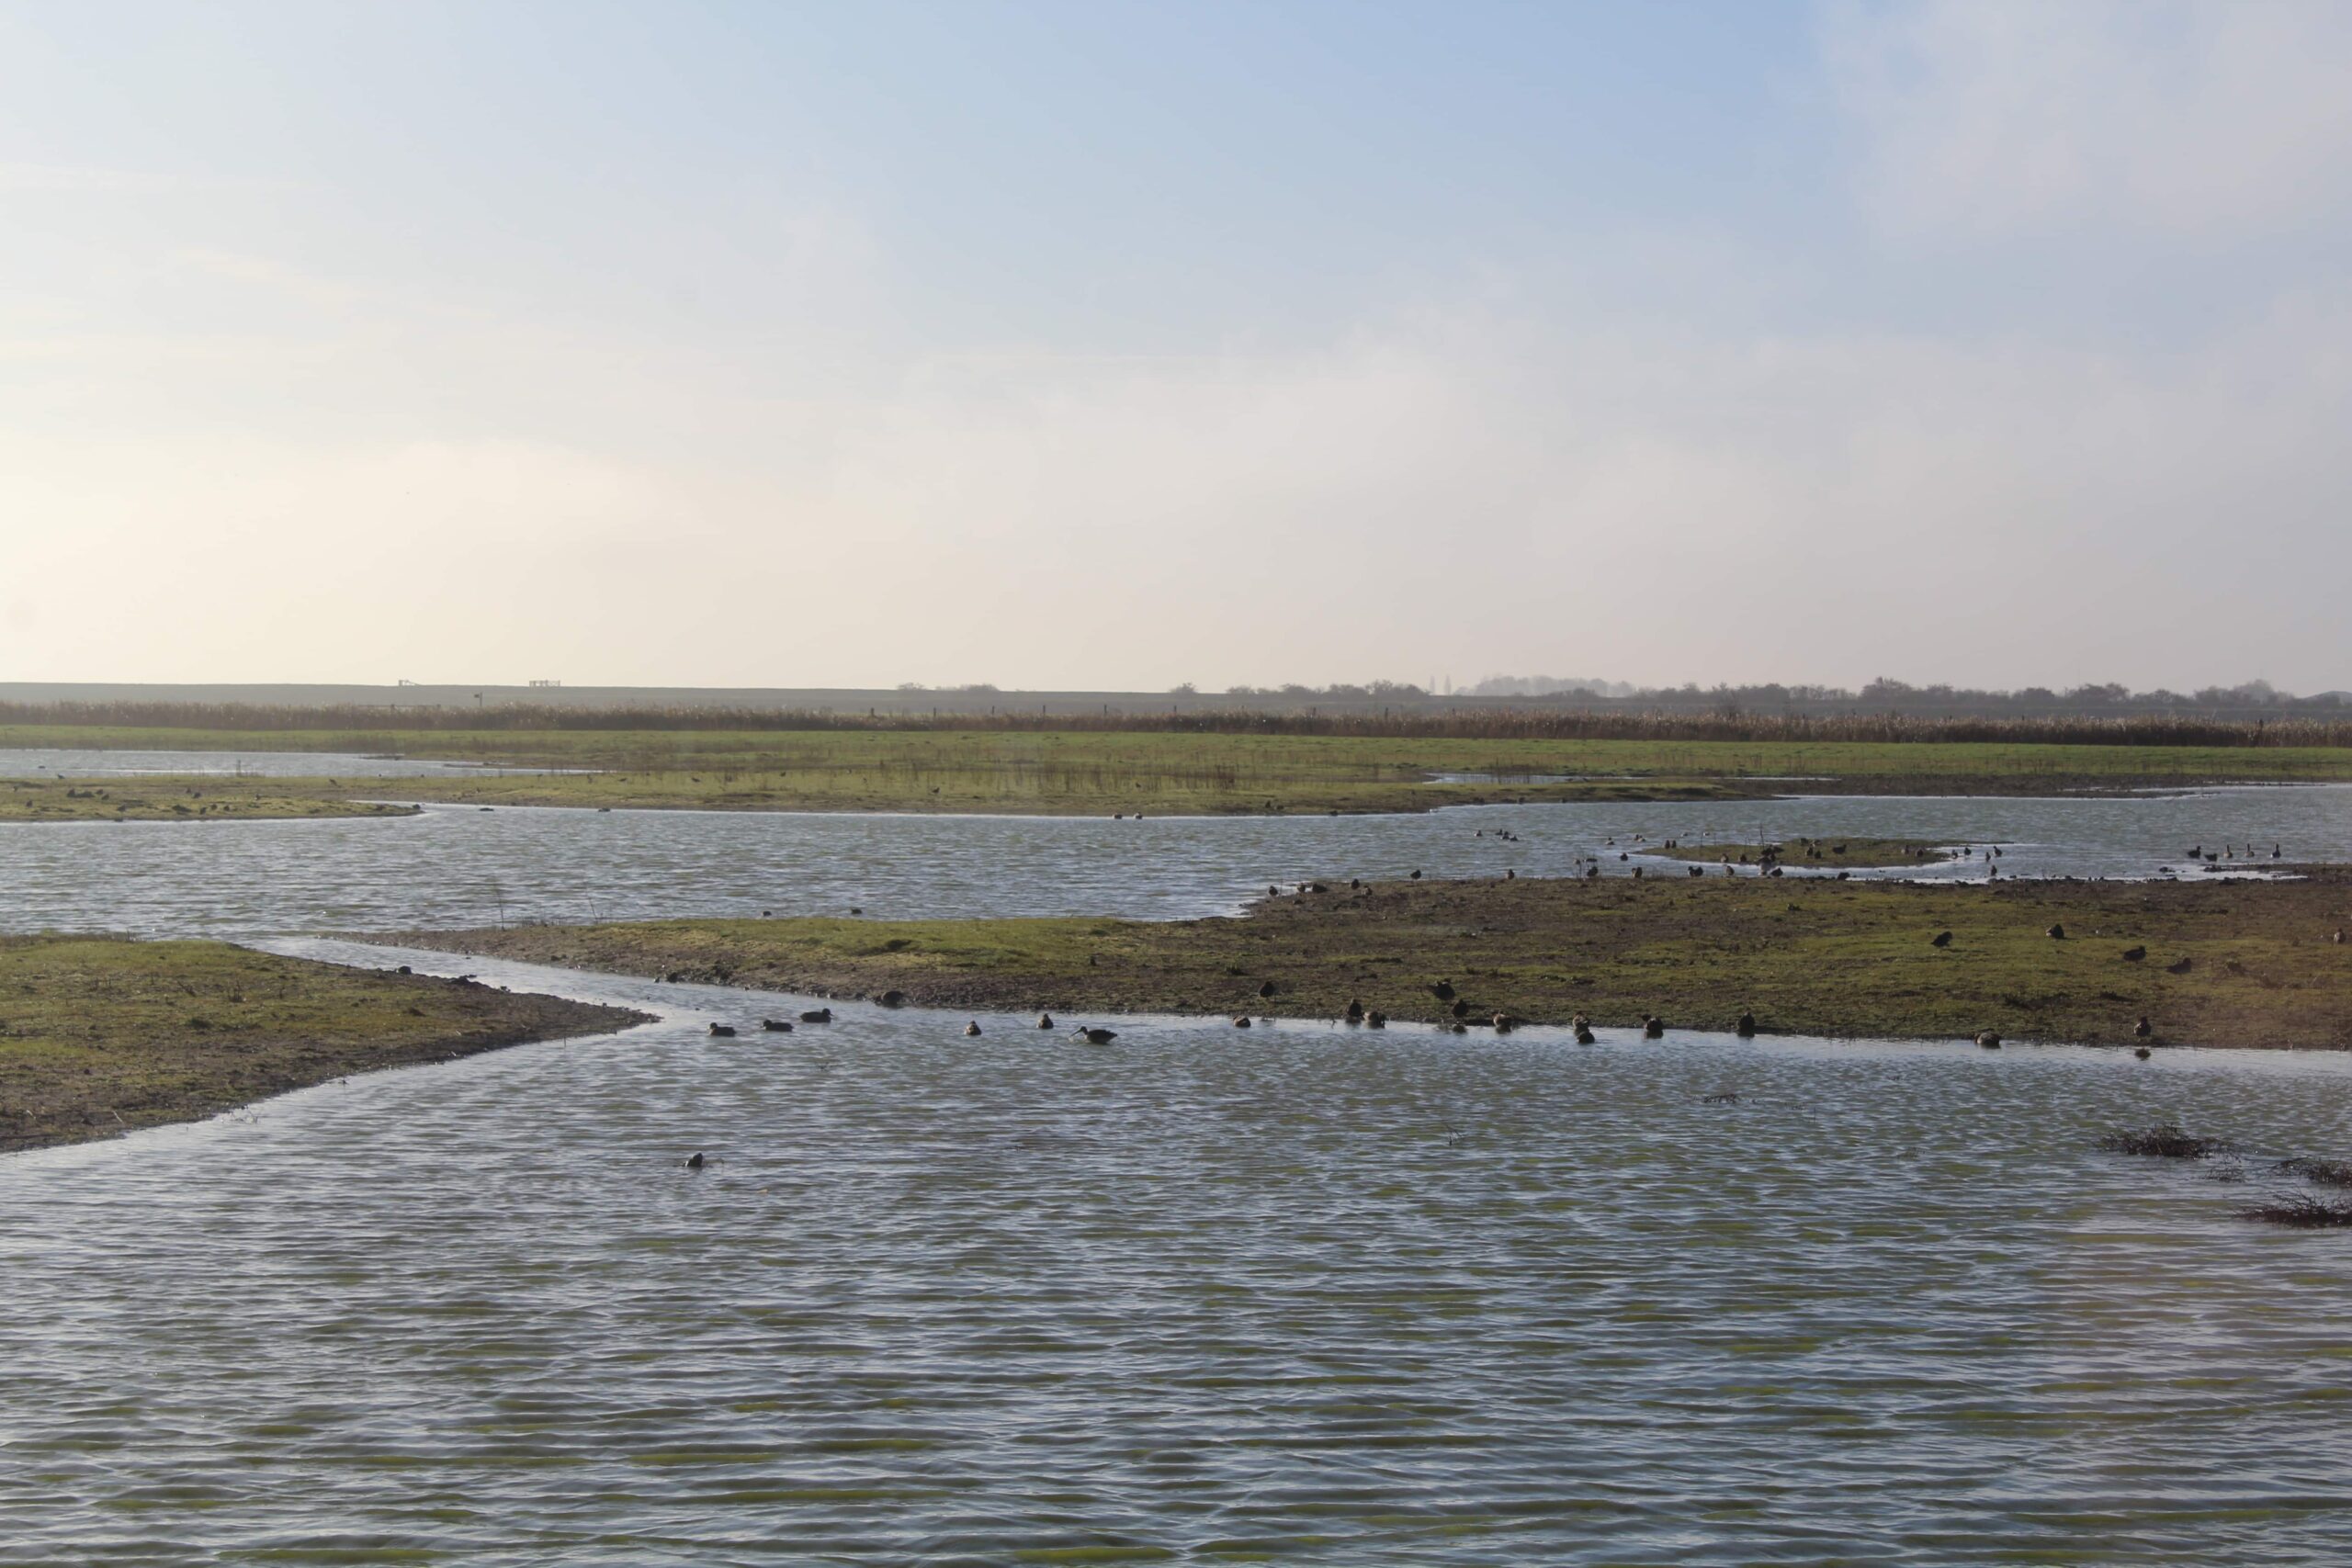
x: 2142, y: 1028
x: 1746, y: 1028
x: 1045, y: 1021
x: 1266, y: 989
x: 1654, y: 1027
x: 2134, y: 955
x: 2057, y: 931
x: 694, y: 1161
x: 723, y: 1031
x: 1375, y: 1019
x: 776, y: 1026
x: 1443, y: 990
x: 1241, y: 1021
x: 1990, y: 1041
x: 1941, y: 939
x: 1355, y: 1010
x: 1585, y: 1036
x: 972, y: 1028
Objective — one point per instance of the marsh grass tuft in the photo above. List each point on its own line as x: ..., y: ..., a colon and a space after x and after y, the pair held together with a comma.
x: 2164, y: 1142
x: 2303, y: 1211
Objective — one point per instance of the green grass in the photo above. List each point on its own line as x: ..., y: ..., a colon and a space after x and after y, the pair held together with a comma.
x: 102, y: 1035
x: 1087, y: 771
x: 1814, y: 956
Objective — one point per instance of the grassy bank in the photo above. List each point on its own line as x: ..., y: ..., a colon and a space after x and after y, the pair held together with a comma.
x: 159, y: 799
x: 1813, y: 957
x: 1195, y: 772
x: 100, y: 1035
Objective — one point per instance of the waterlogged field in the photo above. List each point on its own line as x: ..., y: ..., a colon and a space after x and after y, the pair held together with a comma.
x: 1306, y: 1295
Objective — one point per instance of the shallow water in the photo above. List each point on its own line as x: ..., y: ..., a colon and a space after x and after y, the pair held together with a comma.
x: 463, y: 866
x: 1303, y: 1294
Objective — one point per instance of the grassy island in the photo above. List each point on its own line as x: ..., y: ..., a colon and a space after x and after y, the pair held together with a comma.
x: 1835, y: 853
x: 2217, y: 964
x: 1081, y: 770
x: 176, y: 800
x: 99, y: 1035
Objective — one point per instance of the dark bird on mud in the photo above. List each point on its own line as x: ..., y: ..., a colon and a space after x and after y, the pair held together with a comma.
x: 1417, y: 875
x: 1355, y: 1009
x: 1376, y: 1019
x: 818, y: 1015
x: 1095, y: 1036
x: 1990, y: 1041
x: 1045, y: 1021
x: 1941, y: 939
x: 1242, y: 1022
x: 1504, y: 1023
x: 1272, y: 891
x: 694, y: 1161
x: 1267, y: 989
x: 776, y: 1026
x: 973, y: 1027
x: 892, y: 998
x: 722, y: 1029
x: 1462, y: 1008
x: 2134, y: 955
x: 2140, y: 1051
x: 1746, y: 1028
x: 1443, y: 990
x: 1654, y: 1027
x: 2180, y: 968
x: 2056, y: 932
x: 2142, y: 1028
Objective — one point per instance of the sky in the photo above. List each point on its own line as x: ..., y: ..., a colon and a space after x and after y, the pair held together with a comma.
x: 1106, y: 346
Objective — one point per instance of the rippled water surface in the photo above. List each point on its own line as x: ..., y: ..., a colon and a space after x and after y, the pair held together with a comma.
x: 1301, y: 1295
x: 1298, y: 1296
x: 460, y: 865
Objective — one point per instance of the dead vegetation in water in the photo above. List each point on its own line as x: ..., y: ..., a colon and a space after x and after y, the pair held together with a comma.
x: 2303, y: 1211
x: 2164, y: 1141
x: 2320, y: 1172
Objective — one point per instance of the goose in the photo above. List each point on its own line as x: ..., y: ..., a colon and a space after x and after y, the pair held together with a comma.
x: 1094, y: 1037
x: 1990, y: 1041
x: 1355, y: 1010
x: 972, y: 1028
x: 1746, y: 1028
x: 1654, y: 1027
x: 1045, y: 1021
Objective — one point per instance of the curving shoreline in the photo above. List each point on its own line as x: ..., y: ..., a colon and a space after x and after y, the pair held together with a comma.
x: 103, y: 1036
x: 1816, y: 956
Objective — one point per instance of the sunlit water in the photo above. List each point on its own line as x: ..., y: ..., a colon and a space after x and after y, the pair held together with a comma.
x: 1302, y: 1294
x: 461, y: 865
x: 1298, y: 1295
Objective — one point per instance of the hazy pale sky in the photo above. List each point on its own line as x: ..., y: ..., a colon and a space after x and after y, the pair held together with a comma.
x: 1115, y: 345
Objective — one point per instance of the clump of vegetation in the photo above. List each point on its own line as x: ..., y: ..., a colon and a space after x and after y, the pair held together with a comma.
x: 173, y: 799
x: 2164, y: 1141
x: 2325, y: 1172
x: 2303, y: 1211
